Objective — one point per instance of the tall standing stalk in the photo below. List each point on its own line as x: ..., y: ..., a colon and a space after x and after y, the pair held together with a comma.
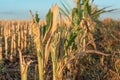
x: 54, y: 53
x: 36, y: 36
x: 43, y: 36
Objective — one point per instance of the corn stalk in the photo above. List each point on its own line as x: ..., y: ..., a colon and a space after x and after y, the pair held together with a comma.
x: 1, y: 57
x: 52, y: 17
x: 1, y: 38
x: 23, y: 66
x: 36, y: 35
x: 43, y: 36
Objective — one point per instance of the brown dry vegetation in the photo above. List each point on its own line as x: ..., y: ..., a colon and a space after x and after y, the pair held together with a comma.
x: 87, y: 67
x: 61, y: 48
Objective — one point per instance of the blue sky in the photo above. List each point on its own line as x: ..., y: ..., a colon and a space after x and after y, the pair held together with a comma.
x: 19, y: 9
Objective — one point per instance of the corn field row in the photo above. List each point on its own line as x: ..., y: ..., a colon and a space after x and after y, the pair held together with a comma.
x: 63, y: 47
x: 14, y: 35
